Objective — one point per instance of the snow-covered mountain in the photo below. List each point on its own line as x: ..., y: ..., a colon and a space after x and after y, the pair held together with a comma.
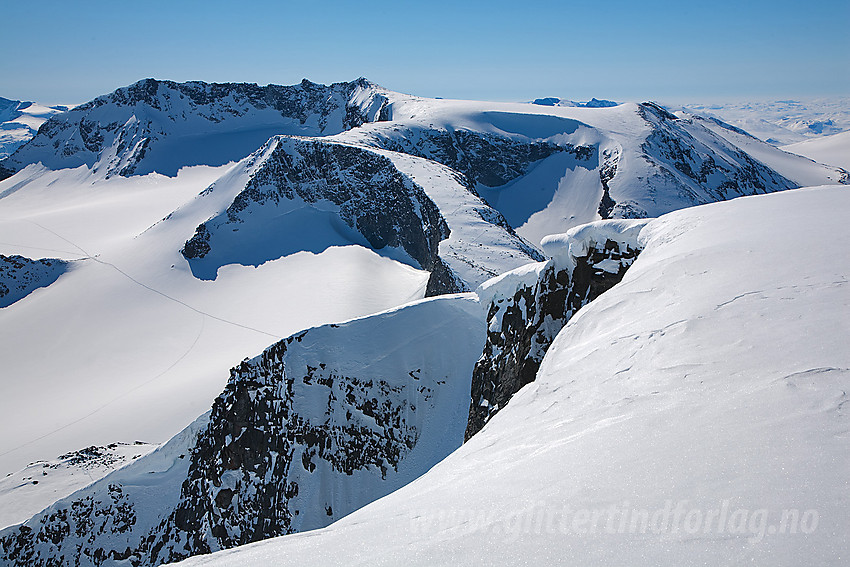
x: 162, y: 125
x: 330, y: 419
x: 19, y: 121
x: 694, y: 414
x: 628, y: 161
x: 156, y: 236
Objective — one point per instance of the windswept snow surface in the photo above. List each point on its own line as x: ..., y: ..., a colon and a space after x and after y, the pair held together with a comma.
x: 675, y: 420
x: 128, y: 344
x: 832, y: 150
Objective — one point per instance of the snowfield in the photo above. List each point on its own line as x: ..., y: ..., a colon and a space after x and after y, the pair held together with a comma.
x: 833, y: 150
x: 697, y: 413
x: 127, y: 344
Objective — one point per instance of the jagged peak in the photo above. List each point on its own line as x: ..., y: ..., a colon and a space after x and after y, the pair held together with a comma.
x: 146, y: 89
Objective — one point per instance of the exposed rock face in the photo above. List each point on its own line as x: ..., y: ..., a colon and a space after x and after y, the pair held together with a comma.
x: 243, y: 485
x: 359, y: 186
x: 701, y: 166
x: 5, y: 172
x: 523, y: 323
x: 20, y: 276
x: 483, y: 158
x: 122, y: 133
x: 320, y: 424
x: 607, y: 171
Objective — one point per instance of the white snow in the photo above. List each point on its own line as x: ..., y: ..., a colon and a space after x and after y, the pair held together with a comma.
x: 564, y: 248
x: 128, y: 344
x: 782, y: 121
x: 28, y: 491
x: 19, y: 121
x: 832, y: 150
x: 674, y: 421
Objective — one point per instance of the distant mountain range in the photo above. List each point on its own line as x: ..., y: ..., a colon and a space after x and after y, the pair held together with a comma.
x: 19, y: 121
x: 783, y: 122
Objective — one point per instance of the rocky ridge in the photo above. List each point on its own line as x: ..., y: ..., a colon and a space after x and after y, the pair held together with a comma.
x: 320, y: 424
x: 331, y: 193
x: 124, y: 133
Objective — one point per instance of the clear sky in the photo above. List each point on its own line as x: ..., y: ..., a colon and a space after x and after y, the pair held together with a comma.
x: 70, y: 52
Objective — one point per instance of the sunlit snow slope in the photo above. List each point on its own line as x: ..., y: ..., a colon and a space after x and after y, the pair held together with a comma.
x: 39, y: 484
x: 673, y: 422
x: 834, y: 150
x: 127, y: 344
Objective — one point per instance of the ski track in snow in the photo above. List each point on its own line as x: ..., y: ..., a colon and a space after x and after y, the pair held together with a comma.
x: 88, y: 256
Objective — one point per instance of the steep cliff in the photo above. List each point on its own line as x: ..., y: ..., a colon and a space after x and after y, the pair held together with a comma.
x: 317, y: 426
x: 527, y: 308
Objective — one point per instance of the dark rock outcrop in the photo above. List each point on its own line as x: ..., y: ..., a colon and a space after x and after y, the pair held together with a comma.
x: 371, y: 196
x: 242, y: 483
x: 522, y: 326
x: 122, y: 133
x: 483, y: 158
x: 20, y: 276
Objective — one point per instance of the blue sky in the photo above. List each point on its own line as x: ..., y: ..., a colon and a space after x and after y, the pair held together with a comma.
x: 682, y: 51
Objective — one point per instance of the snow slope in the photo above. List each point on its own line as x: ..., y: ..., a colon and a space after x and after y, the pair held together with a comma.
x: 833, y: 150
x: 128, y: 344
x: 26, y: 492
x: 674, y: 421
x: 320, y: 424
